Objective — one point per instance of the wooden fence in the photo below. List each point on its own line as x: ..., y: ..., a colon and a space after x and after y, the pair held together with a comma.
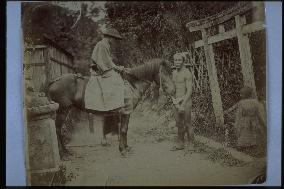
x: 43, y: 63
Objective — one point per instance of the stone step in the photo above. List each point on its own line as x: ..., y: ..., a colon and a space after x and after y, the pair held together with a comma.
x: 236, y: 154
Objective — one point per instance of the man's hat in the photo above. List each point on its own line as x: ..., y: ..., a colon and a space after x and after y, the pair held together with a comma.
x: 112, y: 32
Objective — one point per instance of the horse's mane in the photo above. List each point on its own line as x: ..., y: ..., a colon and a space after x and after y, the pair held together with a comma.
x: 146, y: 71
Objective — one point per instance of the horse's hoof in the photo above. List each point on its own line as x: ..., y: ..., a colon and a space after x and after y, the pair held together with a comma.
x: 104, y: 143
x: 129, y: 148
x: 123, y: 153
x: 190, y: 147
x: 69, y: 153
x: 64, y: 157
x: 66, y: 152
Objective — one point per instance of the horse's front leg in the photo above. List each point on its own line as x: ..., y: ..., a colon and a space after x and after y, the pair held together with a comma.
x: 127, y: 117
x: 91, y: 122
x: 124, y: 121
x: 104, y: 141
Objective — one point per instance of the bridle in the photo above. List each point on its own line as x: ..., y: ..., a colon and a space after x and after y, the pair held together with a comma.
x: 133, y: 76
x: 149, y: 82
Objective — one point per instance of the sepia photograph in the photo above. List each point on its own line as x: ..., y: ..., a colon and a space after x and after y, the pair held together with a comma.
x: 144, y: 93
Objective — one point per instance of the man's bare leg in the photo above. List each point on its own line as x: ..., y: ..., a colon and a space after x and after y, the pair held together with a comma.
x: 181, y: 132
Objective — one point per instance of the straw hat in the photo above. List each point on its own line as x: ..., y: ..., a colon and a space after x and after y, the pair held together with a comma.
x: 112, y: 32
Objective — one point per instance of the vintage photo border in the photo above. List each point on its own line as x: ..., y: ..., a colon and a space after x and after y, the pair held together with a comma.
x: 15, y: 145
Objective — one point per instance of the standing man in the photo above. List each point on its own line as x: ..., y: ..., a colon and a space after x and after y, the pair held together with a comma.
x: 182, y: 100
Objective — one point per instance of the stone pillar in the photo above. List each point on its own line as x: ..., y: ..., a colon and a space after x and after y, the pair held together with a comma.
x: 42, y: 158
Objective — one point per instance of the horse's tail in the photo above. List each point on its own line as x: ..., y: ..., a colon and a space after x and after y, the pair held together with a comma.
x: 48, y: 84
x: 46, y: 90
x: 47, y: 87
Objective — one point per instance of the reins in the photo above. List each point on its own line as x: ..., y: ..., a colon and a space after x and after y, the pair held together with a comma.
x: 134, y: 76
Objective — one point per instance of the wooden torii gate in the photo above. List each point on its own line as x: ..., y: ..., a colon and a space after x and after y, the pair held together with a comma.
x: 240, y: 31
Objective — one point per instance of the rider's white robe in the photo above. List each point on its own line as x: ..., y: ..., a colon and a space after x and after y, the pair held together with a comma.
x: 104, y: 92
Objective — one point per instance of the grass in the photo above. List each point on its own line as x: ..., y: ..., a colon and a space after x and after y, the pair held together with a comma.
x: 224, y: 158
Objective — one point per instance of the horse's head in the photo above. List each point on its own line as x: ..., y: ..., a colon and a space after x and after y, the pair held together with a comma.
x: 164, y: 78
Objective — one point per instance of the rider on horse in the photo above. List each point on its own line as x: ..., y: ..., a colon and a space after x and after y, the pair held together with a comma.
x: 111, y: 82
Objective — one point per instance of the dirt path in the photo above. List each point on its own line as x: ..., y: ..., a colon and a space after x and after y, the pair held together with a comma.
x: 151, y: 162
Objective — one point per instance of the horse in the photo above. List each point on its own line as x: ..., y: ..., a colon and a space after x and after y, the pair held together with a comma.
x: 68, y: 91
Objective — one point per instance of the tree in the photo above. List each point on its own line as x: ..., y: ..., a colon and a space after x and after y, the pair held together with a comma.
x: 157, y: 28
x: 78, y: 36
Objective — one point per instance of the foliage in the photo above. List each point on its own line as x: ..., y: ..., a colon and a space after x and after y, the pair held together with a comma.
x: 229, y: 71
x: 58, y: 23
x: 225, y: 158
x: 157, y: 29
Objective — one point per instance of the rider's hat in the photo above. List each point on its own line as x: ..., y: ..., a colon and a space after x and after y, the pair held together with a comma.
x: 112, y: 33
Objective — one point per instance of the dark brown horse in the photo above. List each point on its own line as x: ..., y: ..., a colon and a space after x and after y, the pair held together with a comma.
x: 68, y: 91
